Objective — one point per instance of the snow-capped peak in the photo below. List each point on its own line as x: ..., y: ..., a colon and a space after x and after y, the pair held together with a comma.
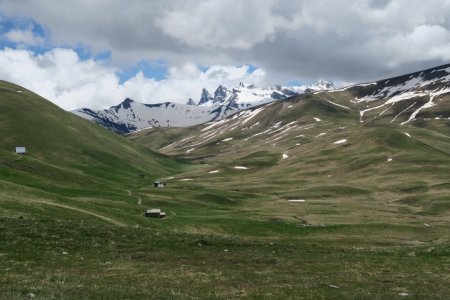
x: 130, y: 116
x: 322, y: 85
x: 245, y: 95
x: 205, y: 97
x: 222, y: 94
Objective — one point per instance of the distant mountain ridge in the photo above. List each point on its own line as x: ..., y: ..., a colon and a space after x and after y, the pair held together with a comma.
x: 395, y: 112
x: 246, y: 95
x: 130, y: 116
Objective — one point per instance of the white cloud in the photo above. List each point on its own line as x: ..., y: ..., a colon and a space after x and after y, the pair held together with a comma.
x: 426, y: 41
x: 186, y: 71
x: 24, y: 37
x: 422, y: 43
x: 221, y: 23
x: 62, y: 77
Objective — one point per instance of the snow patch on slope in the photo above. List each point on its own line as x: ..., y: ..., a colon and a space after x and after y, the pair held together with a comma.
x: 417, y: 85
x: 343, y: 141
x: 240, y: 168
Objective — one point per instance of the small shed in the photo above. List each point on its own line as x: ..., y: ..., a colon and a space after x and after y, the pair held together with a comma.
x: 21, y: 150
x: 155, y: 213
x: 159, y: 184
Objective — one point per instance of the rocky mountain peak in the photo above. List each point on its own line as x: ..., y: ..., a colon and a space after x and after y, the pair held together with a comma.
x: 126, y: 104
x: 220, y: 94
x: 191, y: 102
x: 205, y: 97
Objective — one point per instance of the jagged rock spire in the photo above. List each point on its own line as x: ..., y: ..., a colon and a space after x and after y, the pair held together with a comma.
x: 191, y: 102
x: 205, y: 97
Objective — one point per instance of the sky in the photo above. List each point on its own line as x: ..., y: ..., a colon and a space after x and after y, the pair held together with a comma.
x: 84, y: 53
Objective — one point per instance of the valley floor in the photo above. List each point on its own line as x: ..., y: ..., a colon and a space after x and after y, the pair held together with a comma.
x: 72, y: 260
x: 217, y: 242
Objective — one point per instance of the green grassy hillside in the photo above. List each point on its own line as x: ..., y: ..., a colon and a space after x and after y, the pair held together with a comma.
x: 65, y: 149
x: 73, y: 169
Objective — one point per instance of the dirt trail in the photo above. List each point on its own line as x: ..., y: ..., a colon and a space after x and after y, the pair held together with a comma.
x: 104, y: 218
x: 139, y: 200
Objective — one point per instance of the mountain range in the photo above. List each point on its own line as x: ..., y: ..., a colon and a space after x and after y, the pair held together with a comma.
x: 247, y: 95
x: 130, y: 116
x: 416, y: 100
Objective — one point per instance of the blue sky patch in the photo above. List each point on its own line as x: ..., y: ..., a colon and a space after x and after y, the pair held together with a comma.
x: 8, y: 24
x: 153, y: 69
x: 294, y: 83
x: 252, y: 68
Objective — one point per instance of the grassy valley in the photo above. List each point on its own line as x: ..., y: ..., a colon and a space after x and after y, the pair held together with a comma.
x: 369, y: 218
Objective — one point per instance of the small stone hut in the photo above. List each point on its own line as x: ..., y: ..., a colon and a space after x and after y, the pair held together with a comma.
x: 159, y: 184
x: 21, y: 150
x: 155, y: 213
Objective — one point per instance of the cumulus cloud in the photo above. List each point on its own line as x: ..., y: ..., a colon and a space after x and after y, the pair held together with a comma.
x: 347, y: 40
x: 426, y: 41
x: 221, y: 24
x: 59, y: 75
x: 23, y: 37
x: 62, y: 77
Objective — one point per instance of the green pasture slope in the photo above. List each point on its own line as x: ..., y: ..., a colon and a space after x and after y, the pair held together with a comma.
x: 69, y: 228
